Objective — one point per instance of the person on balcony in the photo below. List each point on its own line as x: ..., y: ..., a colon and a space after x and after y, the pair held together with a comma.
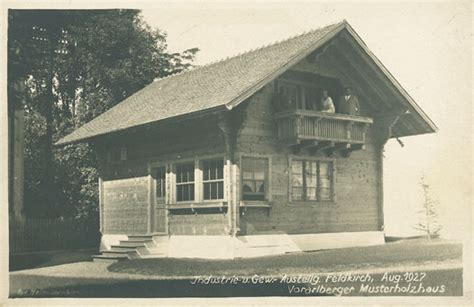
x: 327, y: 105
x: 349, y: 103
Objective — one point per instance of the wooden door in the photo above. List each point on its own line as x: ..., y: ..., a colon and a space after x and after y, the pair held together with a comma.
x: 160, y: 220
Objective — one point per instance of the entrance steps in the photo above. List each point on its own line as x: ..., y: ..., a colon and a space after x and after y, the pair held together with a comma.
x: 136, y: 246
x: 227, y: 247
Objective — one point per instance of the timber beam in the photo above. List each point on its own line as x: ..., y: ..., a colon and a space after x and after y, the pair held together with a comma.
x: 295, y: 146
x: 368, y: 95
x: 357, y: 71
x: 337, y: 147
x: 327, y: 147
x: 309, y: 144
x: 347, y: 152
x: 322, y: 146
x: 359, y: 62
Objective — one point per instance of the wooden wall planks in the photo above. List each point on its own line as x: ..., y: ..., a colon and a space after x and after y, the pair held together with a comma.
x: 357, y: 182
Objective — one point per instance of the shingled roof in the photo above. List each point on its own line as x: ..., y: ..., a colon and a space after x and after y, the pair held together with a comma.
x: 223, y: 84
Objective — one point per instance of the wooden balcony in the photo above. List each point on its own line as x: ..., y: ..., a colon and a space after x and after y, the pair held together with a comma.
x: 322, y: 131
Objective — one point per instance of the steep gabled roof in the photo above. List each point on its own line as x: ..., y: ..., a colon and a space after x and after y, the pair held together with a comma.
x: 222, y: 84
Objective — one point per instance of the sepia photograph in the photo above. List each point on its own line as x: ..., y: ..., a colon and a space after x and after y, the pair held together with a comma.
x: 251, y: 150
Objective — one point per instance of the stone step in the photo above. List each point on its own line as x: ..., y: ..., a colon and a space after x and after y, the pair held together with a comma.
x: 121, y: 248
x: 138, y: 240
x: 133, y: 243
x: 109, y: 258
x: 140, y: 237
x: 113, y: 253
x: 154, y: 255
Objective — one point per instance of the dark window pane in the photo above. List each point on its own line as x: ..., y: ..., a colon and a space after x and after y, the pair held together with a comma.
x: 311, y: 193
x: 297, y: 167
x: 214, y: 190
x: 324, y: 169
x: 185, y: 172
x: 191, y: 172
x: 185, y: 192
x: 160, y: 177
x: 206, y: 170
x: 220, y: 169
x: 311, y: 180
x: 325, y: 181
x: 248, y: 186
x: 207, y: 191
x: 297, y: 180
x: 213, y: 177
x: 220, y: 187
x: 191, y: 192
x: 254, y: 173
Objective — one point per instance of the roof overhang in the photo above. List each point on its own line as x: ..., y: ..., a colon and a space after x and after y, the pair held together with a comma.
x: 418, y: 121
x: 407, y: 108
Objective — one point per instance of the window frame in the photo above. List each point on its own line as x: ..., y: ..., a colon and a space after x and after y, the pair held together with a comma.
x: 318, y: 201
x: 171, y: 197
x: 301, y: 88
x: 223, y: 180
x: 267, y: 177
x: 175, y: 183
x: 153, y: 170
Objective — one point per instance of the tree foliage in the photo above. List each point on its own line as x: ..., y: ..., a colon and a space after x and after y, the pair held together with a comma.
x: 429, y: 219
x: 76, y: 64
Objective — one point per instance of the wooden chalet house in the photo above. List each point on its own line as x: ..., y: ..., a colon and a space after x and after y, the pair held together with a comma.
x: 235, y: 158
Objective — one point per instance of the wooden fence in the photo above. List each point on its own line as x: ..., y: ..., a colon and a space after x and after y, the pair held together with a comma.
x: 33, y: 235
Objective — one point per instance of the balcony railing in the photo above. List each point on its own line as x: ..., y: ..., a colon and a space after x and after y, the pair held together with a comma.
x: 318, y: 129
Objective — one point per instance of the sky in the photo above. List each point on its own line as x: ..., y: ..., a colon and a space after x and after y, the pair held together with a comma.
x: 425, y: 45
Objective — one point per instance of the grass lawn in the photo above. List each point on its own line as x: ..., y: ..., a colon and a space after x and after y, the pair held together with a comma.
x: 398, y: 253
x: 439, y: 261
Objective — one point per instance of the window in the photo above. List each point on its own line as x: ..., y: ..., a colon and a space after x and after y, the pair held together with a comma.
x: 159, y: 174
x: 311, y: 180
x: 305, y: 92
x: 185, y: 182
x: 213, y: 179
x: 302, y: 97
x: 254, y: 178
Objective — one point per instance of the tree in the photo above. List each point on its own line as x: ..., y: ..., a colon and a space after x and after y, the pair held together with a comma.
x: 429, y: 222
x: 76, y: 64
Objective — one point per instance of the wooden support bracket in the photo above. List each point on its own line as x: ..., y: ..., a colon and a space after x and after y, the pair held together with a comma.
x: 323, y: 145
x: 309, y: 144
x: 337, y: 147
x: 347, y: 152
